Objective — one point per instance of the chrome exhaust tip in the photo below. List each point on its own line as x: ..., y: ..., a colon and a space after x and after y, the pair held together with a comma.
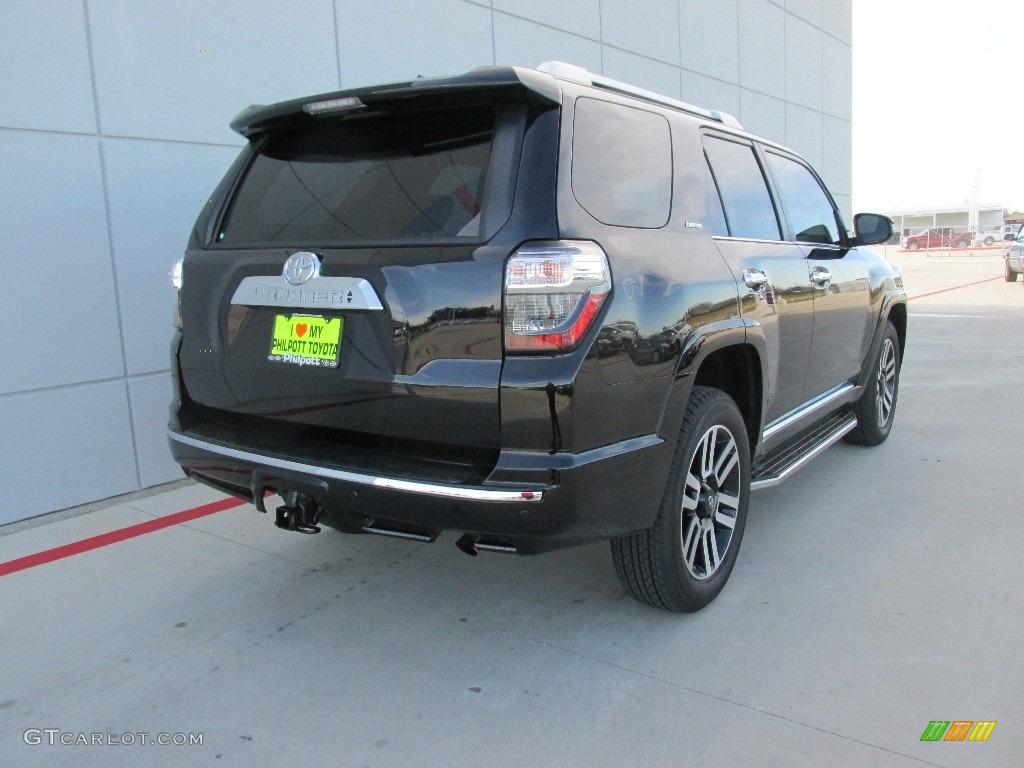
x: 467, y: 543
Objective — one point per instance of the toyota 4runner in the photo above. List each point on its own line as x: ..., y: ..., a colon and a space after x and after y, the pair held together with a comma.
x: 534, y: 308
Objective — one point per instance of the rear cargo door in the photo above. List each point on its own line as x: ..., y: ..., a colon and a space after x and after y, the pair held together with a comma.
x: 347, y: 285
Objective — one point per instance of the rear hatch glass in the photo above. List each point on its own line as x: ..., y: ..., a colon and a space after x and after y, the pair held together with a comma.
x: 394, y: 178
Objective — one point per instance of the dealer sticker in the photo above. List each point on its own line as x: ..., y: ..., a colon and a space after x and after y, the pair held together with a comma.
x: 306, y: 340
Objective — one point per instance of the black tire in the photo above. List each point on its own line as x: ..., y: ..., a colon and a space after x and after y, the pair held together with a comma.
x: 1008, y: 274
x: 913, y: 246
x: 652, y: 564
x: 989, y: 240
x: 877, y: 405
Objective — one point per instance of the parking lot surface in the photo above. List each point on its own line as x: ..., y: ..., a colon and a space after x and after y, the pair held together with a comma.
x: 876, y: 591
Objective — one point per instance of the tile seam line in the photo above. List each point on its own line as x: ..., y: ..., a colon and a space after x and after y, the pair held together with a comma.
x: 601, y: 41
x: 118, y: 309
x: 87, y: 383
x: 587, y: 38
x: 120, y: 136
x: 337, y: 41
x: 698, y: 692
x: 494, y: 42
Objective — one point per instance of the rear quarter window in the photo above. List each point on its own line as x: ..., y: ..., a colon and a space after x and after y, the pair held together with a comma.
x: 622, y: 164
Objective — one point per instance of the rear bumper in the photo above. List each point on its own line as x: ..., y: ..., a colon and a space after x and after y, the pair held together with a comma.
x: 580, y: 498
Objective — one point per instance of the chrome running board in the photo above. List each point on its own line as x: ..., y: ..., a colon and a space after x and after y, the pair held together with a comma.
x: 777, y: 466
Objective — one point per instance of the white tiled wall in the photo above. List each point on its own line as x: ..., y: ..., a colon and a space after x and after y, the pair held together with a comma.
x: 65, y: 446
x: 114, y: 129
x: 709, y: 38
x: 707, y: 91
x: 155, y: 190
x: 763, y: 115
x: 45, y: 63
x: 803, y: 64
x: 650, y: 27
x: 804, y: 132
x: 836, y: 79
x: 149, y: 397
x: 526, y: 43
x: 636, y: 69
x: 762, y: 47
x: 582, y: 17
x: 403, y: 39
x: 180, y: 70
x: 59, y: 313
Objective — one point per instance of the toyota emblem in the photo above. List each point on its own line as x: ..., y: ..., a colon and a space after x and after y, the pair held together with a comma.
x: 301, y: 267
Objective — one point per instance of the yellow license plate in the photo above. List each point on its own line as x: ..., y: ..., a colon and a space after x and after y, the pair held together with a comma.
x: 306, y: 340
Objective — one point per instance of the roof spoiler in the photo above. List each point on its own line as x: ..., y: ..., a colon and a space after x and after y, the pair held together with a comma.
x: 531, y: 85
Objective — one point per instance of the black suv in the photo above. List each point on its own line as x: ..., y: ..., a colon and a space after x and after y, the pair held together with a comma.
x: 535, y: 308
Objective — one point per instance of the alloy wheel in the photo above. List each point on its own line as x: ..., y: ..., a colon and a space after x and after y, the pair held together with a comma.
x: 711, y: 499
x: 885, y: 383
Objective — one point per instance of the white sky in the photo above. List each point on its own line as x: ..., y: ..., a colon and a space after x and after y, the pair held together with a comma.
x: 938, y: 93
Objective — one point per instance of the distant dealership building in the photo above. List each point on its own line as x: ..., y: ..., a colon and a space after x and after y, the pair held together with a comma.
x: 985, y: 222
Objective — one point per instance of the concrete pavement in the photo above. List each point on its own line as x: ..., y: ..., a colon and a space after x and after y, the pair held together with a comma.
x: 876, y: 591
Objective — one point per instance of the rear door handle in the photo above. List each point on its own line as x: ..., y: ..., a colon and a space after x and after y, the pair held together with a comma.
x: 755, y: 279
x: 820, y: 276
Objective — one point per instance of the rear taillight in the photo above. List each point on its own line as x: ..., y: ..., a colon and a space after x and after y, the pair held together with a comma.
x: 553, y: 292
x: 176, y: 282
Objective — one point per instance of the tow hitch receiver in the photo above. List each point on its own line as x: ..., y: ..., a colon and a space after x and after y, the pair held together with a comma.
x: 299, y: 513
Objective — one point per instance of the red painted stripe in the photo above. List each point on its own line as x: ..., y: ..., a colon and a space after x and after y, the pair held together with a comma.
x: 130, y: 532
x: 954, y: 288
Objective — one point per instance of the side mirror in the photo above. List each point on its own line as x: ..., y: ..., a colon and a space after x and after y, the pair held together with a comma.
x: 1009, y: 237
x: 872, y: 228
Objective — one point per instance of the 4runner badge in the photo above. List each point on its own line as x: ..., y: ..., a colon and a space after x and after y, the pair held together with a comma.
x: 301, y: 267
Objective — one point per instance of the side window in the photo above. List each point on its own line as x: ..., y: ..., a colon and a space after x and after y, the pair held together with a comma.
x: 715, y: 215
x: 748, y: 206
x: 808, y: 208
x: 622, y: 164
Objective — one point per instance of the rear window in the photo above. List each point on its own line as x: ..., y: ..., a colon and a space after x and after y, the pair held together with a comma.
x: 395, y: 177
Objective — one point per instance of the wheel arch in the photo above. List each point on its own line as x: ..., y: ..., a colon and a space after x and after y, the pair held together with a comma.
x: 898, y: 317
x: 893, y: 310
x: 728, y: 358
x: 737, y: 371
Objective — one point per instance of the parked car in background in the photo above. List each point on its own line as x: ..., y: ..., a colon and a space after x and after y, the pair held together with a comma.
x: 989, y: 236
x: 938, y: 237
x: 1014, y: 257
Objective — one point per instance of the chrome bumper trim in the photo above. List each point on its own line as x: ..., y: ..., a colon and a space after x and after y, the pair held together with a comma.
x: 393, y: 484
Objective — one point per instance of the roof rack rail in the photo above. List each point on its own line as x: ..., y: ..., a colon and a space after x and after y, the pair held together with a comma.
x: 576, y: 74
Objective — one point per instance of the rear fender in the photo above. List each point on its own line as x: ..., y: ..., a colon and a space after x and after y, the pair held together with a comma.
x: 697, y: 346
